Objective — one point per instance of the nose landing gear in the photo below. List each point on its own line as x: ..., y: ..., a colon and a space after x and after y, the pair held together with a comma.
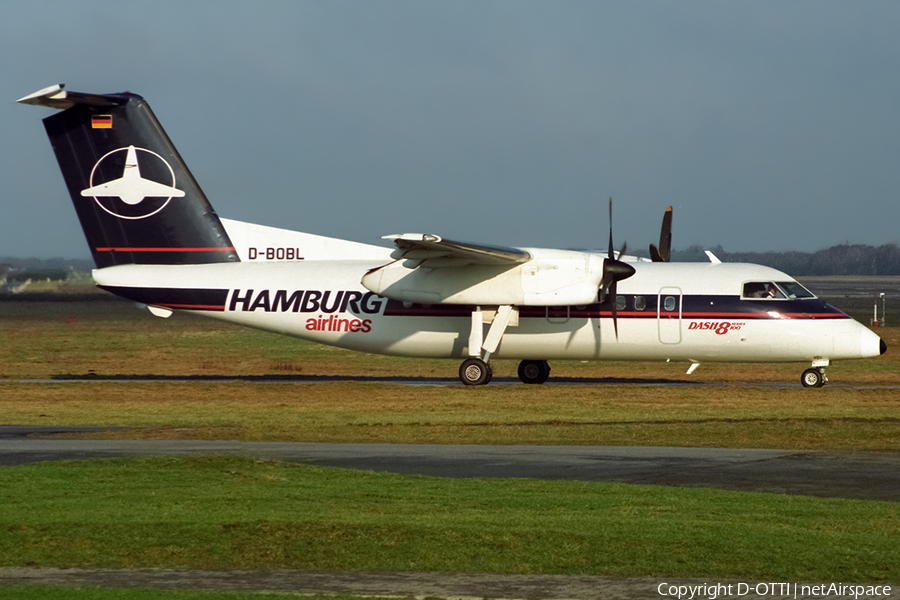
x: 815, y: 376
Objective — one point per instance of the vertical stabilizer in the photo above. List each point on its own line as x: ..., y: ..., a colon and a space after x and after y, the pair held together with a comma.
x: 137, y: 201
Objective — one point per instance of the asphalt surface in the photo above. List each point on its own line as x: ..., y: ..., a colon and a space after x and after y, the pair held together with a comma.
x: 443, y: 381
x: 436, y: 585
x: 859, y: 475
x: 862, y: 475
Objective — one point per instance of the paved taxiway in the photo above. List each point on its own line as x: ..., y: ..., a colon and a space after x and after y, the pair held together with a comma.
x: 861, y: 475
x: 461, y: 586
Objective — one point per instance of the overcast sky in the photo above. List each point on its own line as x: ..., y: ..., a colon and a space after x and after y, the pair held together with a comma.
x: 769, y: 125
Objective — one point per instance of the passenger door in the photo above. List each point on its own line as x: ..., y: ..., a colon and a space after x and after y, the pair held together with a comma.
x: 668, y: 315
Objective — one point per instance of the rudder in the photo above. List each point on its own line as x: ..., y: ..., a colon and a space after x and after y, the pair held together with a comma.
x: 137, y: 201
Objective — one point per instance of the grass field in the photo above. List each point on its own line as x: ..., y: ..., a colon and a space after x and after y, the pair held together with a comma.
x: 511, y: 414
x: 216, y: 512
x: 627, y: 409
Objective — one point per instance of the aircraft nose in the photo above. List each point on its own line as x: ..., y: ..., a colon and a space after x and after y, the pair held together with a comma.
x: 854, y: 340
x: 872, y: 344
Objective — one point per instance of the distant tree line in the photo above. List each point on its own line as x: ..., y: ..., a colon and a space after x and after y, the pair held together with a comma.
x: 845, y: 259
x: 79, y: 265
x: 15, y: 271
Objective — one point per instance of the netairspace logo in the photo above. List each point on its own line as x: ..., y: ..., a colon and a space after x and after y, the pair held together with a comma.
x: 774, y: 590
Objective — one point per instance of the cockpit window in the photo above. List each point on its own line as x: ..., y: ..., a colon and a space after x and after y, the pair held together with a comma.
x: 762, y: 290
x: 795, y: 290
x: 771, y: 290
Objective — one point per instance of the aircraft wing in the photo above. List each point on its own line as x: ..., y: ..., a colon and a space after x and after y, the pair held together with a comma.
x: 437, y: 252
x: 428, y: 269
x: 431, y: 270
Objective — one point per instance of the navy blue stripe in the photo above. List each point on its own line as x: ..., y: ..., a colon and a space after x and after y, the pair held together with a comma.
x: 693, y: 307
x: 189, y: 299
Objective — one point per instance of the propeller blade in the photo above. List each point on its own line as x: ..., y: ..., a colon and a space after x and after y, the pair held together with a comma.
x: 613, y: 271
x: 610, y: 229
x: 664, y: 252
x: 665, y: 236
x: 615, y: 312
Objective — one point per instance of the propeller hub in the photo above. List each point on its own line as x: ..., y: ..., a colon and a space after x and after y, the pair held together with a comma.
x: 616, y: 270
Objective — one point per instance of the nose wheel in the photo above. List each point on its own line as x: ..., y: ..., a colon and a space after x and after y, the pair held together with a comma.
x: 814, y: 377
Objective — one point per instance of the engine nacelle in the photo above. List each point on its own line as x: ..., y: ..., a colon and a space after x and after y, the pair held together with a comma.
x: 550, y: 278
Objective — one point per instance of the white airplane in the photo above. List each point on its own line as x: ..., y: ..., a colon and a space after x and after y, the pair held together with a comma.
x: 156, y: 240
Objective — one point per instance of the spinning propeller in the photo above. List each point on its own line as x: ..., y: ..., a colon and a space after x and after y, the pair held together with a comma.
x: 613, y: 271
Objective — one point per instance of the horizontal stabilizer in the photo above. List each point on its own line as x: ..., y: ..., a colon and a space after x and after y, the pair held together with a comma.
x: 56, y: 96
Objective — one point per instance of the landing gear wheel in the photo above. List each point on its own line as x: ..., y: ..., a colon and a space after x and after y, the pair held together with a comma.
x: 534, y: 371
x: 475, y: 371
x: 813, y: 378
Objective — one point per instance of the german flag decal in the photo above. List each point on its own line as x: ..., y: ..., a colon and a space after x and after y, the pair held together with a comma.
x: 101, y: 122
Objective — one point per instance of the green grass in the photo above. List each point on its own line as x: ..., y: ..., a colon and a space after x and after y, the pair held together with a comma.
x: 723, y: 416
x: 229, y: 513
x: 72, y: 592
x: 42, y: 340
x: 232, y: 513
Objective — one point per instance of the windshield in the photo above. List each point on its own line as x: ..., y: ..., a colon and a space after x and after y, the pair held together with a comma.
x: 795, y: 290
x: 772, y: 290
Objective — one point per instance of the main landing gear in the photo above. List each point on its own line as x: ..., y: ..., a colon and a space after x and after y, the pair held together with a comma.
x: 476, y: 370
x: 534, y: 371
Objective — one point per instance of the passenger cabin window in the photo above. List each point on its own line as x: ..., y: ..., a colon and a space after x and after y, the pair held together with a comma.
x: 640, y: 303
x: 620, y: 302
x: 775, y: 290
x: 669, y: 303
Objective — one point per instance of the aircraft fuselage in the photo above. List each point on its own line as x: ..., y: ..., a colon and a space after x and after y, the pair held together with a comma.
x: 666, y: 312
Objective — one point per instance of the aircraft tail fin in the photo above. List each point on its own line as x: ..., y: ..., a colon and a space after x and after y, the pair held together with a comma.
x: 135, y: 197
